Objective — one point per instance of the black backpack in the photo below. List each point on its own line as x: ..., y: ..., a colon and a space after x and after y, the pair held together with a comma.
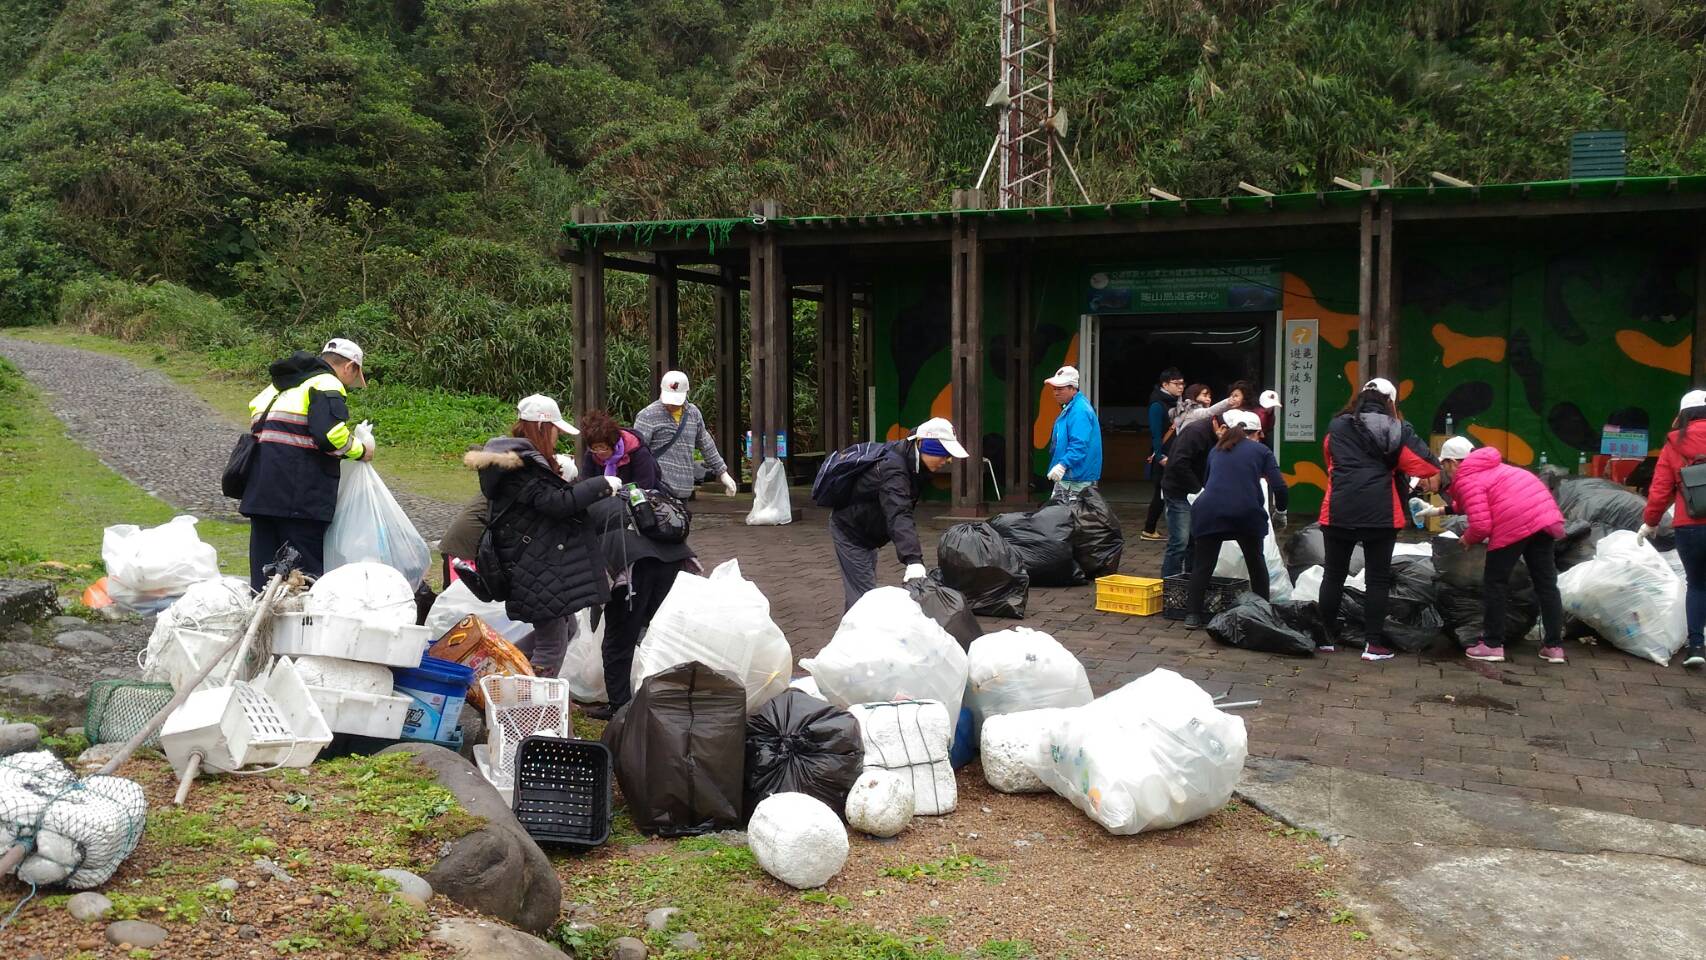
x: 833, y: 487
x: 659, y: 517
x: 493, y: 576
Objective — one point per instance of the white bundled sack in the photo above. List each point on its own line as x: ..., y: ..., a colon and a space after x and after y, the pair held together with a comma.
x: 583, y: 665
x: 219, y: 606
x: 1231, y: 562
x: 797, y: 839
x: 82, y: 831
x: 457, y: 602
x: 367, y: 523
x: 888, y: 648
x: 148, y: 569
x: 880, y: 802
x: 377, y: 594
x: 1013, y: 746
x: 1153, y: 754
x: 1308, y: 585
x: 1023, y: 669
x: 911, y: 738
x: 1628, y: 594
x: 770, y: 504
x: 722, y: 621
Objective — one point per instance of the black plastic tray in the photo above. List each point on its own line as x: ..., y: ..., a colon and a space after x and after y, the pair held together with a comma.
x: 562, y: 790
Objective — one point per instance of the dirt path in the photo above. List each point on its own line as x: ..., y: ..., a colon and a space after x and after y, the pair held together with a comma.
x: 165, y: 439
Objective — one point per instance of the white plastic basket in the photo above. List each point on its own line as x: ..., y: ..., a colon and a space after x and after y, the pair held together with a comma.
x: 300, y: 711
x: 346, y: 638
x: 231, y: 727
x: 504, y: 787
x: 359, y: 713
x: 183, y: 652
x: 518, y: 708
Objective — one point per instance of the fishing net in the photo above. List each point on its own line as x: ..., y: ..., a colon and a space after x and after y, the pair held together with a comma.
x: 119, y: 709
x: 78, y: 832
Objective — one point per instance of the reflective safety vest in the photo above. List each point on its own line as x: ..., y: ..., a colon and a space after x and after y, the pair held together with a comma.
x: 287, y: 418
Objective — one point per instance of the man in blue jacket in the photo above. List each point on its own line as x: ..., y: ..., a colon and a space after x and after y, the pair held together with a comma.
x: 1161, y: 403
x: 1076, y: 447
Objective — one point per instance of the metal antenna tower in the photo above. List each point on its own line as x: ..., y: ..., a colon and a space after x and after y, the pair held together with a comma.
x: 1031, y: 124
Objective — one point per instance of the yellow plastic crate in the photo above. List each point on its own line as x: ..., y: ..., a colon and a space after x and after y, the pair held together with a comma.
x: 1118, y: 593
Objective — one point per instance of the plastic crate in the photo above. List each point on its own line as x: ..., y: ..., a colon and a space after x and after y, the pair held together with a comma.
x: 562, y: 790
x: 1222, y: 593
x: 347, y: 638
x: 1118, y: 593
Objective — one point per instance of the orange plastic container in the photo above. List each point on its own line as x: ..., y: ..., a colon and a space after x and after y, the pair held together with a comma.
x: 473, y: 644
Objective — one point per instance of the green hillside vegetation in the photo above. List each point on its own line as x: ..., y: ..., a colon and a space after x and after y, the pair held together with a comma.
x: 236, y: 177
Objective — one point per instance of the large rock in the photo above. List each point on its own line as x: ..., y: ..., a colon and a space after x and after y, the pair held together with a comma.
x: 498, y: 869
x: 45, y: 693
x: 23, y: 657
x: 18, y: 737
x: 137, y: 933
x: 26, y: 601
x: 482, y: 940
x: 84, y: 641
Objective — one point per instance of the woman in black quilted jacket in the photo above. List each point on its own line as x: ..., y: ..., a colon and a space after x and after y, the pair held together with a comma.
x: 540, y: 530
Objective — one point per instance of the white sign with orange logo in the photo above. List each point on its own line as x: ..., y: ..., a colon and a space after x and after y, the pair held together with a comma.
x: 1302, y: 367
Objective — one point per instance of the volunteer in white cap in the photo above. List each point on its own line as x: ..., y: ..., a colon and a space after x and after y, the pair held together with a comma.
x: 1075, y: 449
x: 1451, y: 454
x: 1369, y: 451
x: 1670, y: 490
x: 1262, y: 403
x: 1233, y: 507
x: 873, y: 489
x: 674, y: 428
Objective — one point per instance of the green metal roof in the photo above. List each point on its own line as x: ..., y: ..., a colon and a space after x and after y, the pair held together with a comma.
x: 719, y: 231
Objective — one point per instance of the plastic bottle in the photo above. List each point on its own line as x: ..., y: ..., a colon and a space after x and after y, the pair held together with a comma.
x: 1448, y: 424
x: 1581, y: 464
x: 1417, y: 505
x: 1543, y: 458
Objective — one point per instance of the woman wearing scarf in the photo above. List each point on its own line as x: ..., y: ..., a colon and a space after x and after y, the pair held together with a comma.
x: 612, y: 451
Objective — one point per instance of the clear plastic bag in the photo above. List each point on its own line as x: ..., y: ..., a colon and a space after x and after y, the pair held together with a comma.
x: 148, y: 569
x: 369, y: 525
x: 1023, y: 669
x: 887, y: 648
x: 457, y: 602
x: 770, y: 504
x: 1628, y: 594
x: 583, y: 665
x: 1230, y: 563
x: 722, y: 621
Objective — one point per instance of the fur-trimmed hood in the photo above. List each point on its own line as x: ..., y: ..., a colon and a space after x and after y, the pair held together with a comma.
x: 500, y: 456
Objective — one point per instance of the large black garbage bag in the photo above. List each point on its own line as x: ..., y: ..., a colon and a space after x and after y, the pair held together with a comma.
x: 946, y: 606
x: 1255, y: 624
x: 797, y: 743
x: 1577, y: 546
x: 679, y: 748
x: 975, y: 560
x: 1601, y: 501
x: 1043, y: 541
x: 1459, y: 574
x: 1097, y: 540
x: 1413, y: 624
x: 1306, y: 548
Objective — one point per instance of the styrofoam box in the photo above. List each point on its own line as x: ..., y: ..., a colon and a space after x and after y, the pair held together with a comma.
x: 363, y: 714
x: 483, y: 760
x: 332, y: 635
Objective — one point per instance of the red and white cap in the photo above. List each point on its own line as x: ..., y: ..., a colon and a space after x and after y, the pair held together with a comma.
x: 942, y: 432
x: 1064, y: 377
x: 673, y: 389
x: 542, y: 409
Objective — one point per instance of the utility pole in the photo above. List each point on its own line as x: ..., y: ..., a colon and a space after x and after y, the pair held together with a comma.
x: 1031, y: 124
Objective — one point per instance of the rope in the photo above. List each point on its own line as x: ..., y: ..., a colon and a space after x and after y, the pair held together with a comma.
x: 21, y: 903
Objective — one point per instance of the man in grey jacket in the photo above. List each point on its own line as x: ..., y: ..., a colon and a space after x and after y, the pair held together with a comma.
x: 672, y: 429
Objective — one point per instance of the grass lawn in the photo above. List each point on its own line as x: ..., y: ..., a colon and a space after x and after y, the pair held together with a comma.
x: 56, y: 497
x: 422, y: 434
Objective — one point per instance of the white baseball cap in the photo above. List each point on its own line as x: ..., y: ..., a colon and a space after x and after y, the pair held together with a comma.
x: 1693, y: 398
x: 349, y: 351
x: 673, y: 389
x: 542, y: 409
x: 1270, y: 399
x: 1384, y: 386
x: 1242, y: 418
x: 942, y: 432
x: 1064, y: 377
x: 1457, y: 448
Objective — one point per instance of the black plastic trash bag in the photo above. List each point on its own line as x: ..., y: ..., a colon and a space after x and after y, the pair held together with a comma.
x: 1097, y: 540
x: 1577, y: 546
x: 946, y: 606
x: 797, y: 743
x: 1413, y: 624
x: 1306, y: 548
x: 679, y: 748
x: 1459, y: 575
x: 1043, y: 541
x: 1597, y: 500
x: 974, y: 559
x: 1255, y: 624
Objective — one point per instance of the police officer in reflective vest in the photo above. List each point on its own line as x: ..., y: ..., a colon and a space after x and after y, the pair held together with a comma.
x: 304, y: 434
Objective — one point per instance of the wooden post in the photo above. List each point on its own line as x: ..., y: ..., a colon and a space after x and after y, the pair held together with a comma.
x: 664, y: 306
x: 1386, y: 313
x: 1700, y: 315
x: 835, y: 361
x: 768, y: 300
x: 591, y: 385
x: 869, y: 429
x: 966, y: 318
x: 727, y: 428
x: 1365, y: 298
x: 1020, y: 393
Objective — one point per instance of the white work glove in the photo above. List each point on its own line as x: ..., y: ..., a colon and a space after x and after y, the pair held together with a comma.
x: 567, y: 464
x: 728, y: 483
x: 364, y: 435
x: 1647, y: 531
x: 615, y: 484
x: 914, y: 571
x: 1056, y: 472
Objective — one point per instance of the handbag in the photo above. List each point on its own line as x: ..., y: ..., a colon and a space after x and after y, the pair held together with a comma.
x: 235, y: 480
x: 659, y: 517
x: 1693, y: 481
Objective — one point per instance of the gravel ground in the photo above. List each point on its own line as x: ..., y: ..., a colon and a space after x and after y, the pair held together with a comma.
x: 164, y: 438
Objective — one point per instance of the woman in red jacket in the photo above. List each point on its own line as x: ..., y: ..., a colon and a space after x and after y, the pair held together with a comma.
x: 1685, y: 446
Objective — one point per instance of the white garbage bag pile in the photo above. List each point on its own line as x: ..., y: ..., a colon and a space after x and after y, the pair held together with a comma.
x: 216, y: 608
x: 888, y: 648
x: 797, y: 839
x: 1230, y: 563
x: 912, y: 738
x: 1307, y: 589
x: 583, y: 665
x: 367, y: 523
x: 82, y: 830
x: 880, y: 803
x: 1630, y: 595
x: 458, y: 602
x: 148, y: 569
x: 1153, y: 754
x: 722, y: 621
x: 1023, y: 669
x: 770, y: 504
x: 1014, y: 746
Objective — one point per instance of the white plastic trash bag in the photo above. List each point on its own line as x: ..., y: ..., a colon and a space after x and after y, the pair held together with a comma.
x: 583, y: 665
x: 1308, y: 585
x: 911, y: 738
x: 797, y: 839
x: 1013, y: 746
x: 458, y: 602
x: 1628, y: 594
x: 888, y: 648
x: 148, y: 569
x: 722, y: 621
x: 1023, y: 669
x: 367, y: 524
x: 1153, y: 754
x: 1230, y: 563
x: 770, y: 504
x: 220, y: 606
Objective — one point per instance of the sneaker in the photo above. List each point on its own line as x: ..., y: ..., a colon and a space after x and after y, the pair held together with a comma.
x: 1375, y: 651
x: 1152, y: 535
x: 1327, y: 648
x: 1695, y: 657
x: 599, y: 711
x: 1553, y: 655
x: 1480, y: 651
x: 1193, y: 622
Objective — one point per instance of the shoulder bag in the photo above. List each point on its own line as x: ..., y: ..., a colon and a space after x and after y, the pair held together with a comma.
x: 241, y: 463
x: 1692, y: 480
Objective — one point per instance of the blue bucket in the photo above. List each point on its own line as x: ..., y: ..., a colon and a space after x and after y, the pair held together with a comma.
x: 438, y: 689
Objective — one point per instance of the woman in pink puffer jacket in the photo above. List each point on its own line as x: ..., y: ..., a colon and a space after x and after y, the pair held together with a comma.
x: 1511, y: 511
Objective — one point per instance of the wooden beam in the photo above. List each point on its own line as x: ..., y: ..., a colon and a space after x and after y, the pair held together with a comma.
x: 1700, y: 313
x: 1020, y: 397
x: 966, y: 341
x: 1254, y: 190
x: 1447, y: 179
x: 587, y: 316
x: 1161, y: 194
x: 1347, y: 184
x: 1365, y: 297
x: 767, y: 303
x: 1386, y: 318
x: 727, y: 432
x: 664, y: 311
x: 1534, y: 209
x: 835, y: 361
